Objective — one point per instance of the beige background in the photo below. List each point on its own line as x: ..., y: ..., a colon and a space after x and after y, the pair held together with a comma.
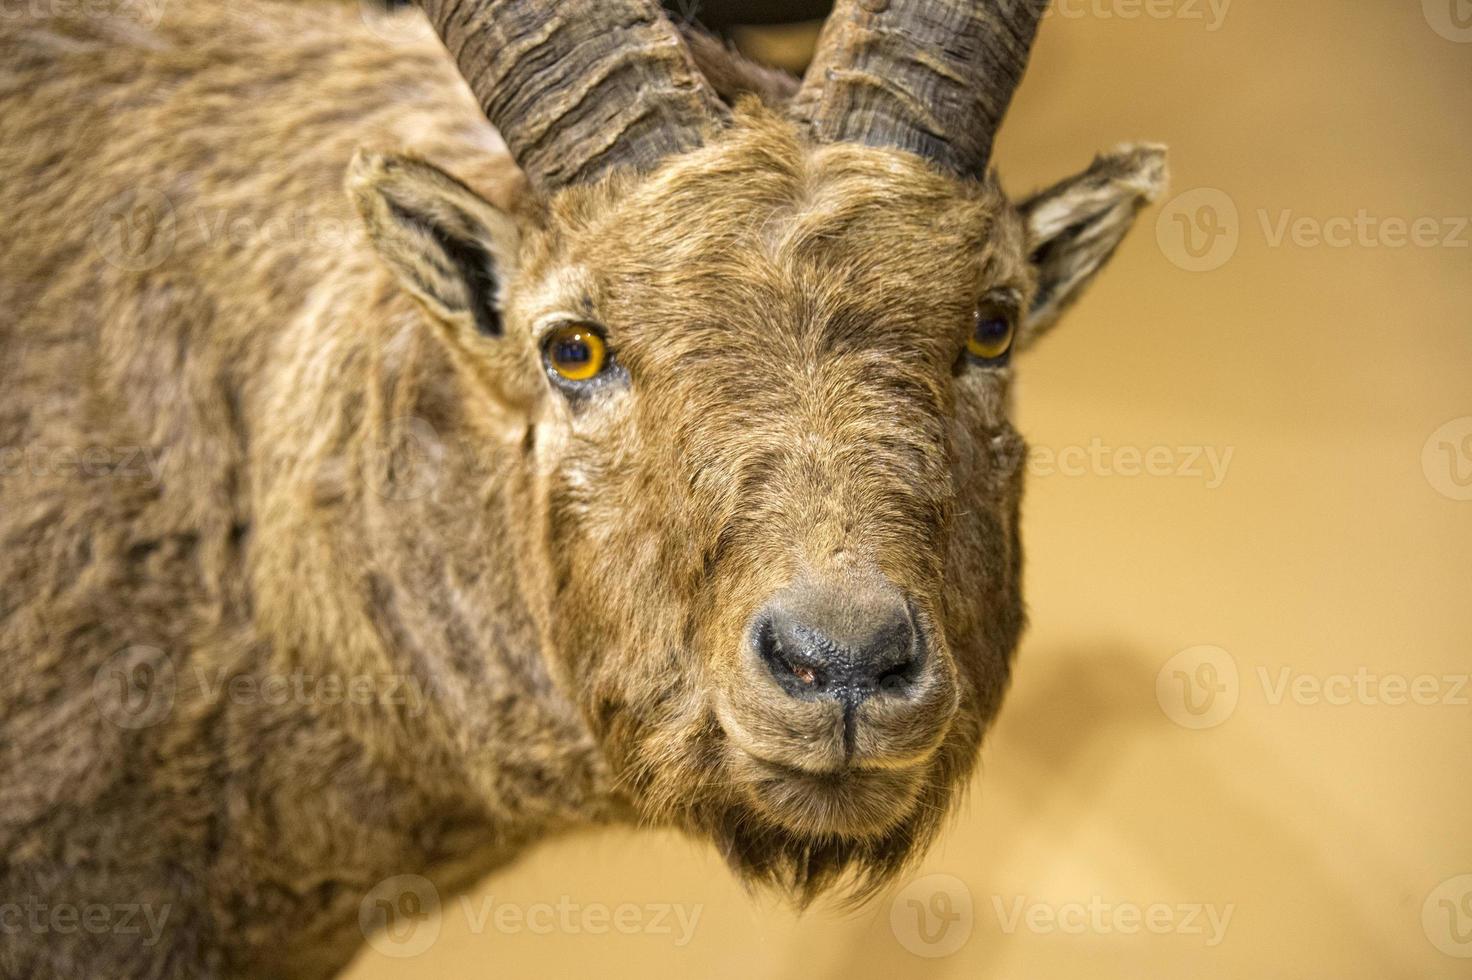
x: 1325, y: 547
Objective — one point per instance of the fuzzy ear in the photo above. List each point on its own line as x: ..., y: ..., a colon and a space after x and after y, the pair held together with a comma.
x: 450, y: 247
x: 1074, y: 226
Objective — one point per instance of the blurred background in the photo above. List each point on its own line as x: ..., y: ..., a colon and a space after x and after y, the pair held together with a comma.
x: 1239, y: 742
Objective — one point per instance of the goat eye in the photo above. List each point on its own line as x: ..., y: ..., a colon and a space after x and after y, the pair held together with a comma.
x: 991, y: 337
x: 576, y: 352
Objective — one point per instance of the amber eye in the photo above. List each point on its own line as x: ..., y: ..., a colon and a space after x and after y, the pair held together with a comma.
x: 576, y: 351
x: 991, y: 337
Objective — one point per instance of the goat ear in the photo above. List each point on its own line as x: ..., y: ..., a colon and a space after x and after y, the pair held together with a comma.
x: 449, y: 247
x: 1074, y: 226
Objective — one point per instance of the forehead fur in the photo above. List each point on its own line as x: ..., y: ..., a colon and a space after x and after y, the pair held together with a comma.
x: 769, y: 223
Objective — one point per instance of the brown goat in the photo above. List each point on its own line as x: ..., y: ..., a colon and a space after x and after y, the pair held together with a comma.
x: 665, y: 477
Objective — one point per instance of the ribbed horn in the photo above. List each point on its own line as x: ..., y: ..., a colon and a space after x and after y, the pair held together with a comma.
x: 578, y: 87
x: 933, y: 77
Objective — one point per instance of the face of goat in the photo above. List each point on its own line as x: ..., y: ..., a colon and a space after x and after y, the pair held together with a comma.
x: 765, y: 390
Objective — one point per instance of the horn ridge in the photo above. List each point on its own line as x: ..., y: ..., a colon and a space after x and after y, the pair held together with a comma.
x: 934, y: 77
x: 578, y: 87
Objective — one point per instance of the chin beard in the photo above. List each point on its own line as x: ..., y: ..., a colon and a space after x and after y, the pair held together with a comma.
x: 682, y: 776
x: 850, y: 865
x: 804, y: 867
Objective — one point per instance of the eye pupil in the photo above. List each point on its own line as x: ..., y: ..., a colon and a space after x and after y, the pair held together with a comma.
x: 991, y: 336
x: 576, y: 353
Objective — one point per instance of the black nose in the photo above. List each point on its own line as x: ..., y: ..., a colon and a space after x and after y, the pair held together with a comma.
x: 842, y: 643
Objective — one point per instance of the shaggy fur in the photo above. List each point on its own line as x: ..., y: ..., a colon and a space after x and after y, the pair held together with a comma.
x: 311, y: 577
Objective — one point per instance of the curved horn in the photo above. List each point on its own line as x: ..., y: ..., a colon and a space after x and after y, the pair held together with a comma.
x: 933, y: 77
x: 577, y: 87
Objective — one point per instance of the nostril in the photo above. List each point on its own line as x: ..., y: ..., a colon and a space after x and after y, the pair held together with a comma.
x: 840, y: 650
x: 788, y: 663
x: 896, y: 680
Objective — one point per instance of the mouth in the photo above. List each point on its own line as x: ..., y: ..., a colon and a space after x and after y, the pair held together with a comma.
x: 852, y: 802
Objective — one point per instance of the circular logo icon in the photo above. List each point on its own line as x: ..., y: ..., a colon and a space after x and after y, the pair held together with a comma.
x: 933, y: 916
x: 1446, y: 915
x: 1199, y: 230
x: 135, y: 687
x: 400, y: 916
x: 1446, y: 459
x: 408, y: 463
x: 135, y: 229
x: 394, y: 25
x: 1198, y: 687
x: 1452, y: 19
